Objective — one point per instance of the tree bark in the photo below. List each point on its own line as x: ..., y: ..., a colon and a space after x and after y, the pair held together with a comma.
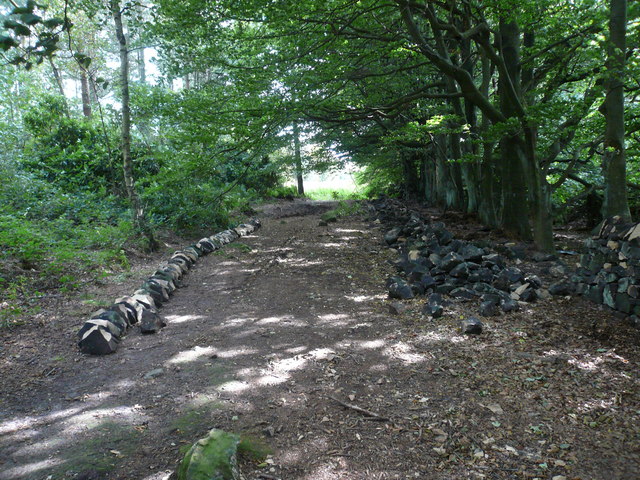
x: 515, y: 201
x: 142, y: 68
x: 86, y: 94
x: 127, y: 165
x: 58, y: 79
x: 614, y: 159
x: 298, y: 157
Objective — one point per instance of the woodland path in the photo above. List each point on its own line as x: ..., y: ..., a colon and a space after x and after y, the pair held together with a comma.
x: 268, y: 330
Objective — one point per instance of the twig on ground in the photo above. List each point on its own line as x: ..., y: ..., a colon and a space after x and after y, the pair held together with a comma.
x: 368, y: 413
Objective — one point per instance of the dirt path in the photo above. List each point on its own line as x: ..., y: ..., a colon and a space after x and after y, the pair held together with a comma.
x: 268, y: 337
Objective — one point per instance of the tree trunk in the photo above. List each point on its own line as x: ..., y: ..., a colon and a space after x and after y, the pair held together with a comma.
x: 142, y: 68
x: 86, y: 95
x: 127, y: 165
x: 58, y: 79
x: 515, y: 202
x: 614, y: 160
x: 488, y: 204
x: 298, y: 157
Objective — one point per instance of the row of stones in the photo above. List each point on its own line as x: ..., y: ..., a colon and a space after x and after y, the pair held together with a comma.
x: 435, y: 264
x: 609, y: 271
x: 101, y: 334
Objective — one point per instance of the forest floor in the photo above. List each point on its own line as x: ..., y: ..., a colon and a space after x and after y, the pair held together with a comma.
x: 286, y: 337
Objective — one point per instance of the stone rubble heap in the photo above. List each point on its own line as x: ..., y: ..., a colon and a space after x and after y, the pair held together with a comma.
x: 101, y: 334
x: 609, y: 272
x: 434, y: 263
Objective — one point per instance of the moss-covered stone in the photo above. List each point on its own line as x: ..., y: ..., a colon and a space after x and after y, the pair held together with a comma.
x: 212, y: 458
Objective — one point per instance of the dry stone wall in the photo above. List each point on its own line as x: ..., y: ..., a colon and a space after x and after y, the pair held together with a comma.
x: 101, y: 334
x: 609, y: 271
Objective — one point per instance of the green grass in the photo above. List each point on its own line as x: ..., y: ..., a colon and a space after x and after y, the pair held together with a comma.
x: 333, y: 194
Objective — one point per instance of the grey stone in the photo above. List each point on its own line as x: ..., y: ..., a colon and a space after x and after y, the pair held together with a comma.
x: 97, y: 341
x: 623, y: 303
x: 482, y: 274
x: 491, y: 298
x: 460, y: 271
x: 493, y: 259
x: 634, y: 291
x: 427, y: 282
x: 392, y: 235
x: 151, y: 322
x: 508, y: 277
x: 509, y: 305
x: 558, y: 271
x: 436, y: 299
x: 529, y: 295
x: 464, y: 293
x: 156, y: 372
x: 489, y: 309
x: 533, y: 280
x: 450, y: 261
x: 471, y: 253
x: 399, y: 289
x: 397, y: 308
x: 471, y: 326
x: 543, y: 257
x: 433, y: 310
x: 113, y: 316
x: 561, y: 287
x: 608, y: 298
x: 595, y: 293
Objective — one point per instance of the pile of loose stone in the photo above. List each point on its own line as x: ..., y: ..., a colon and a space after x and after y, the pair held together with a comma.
x: 101, y: 334
x: 434, y: 263
x: 609, y: 272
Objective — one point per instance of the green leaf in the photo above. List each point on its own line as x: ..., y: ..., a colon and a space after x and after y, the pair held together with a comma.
x: 53, y: 23
x: 31, y: 18
x: 17, y: 27
x: 7, y: 42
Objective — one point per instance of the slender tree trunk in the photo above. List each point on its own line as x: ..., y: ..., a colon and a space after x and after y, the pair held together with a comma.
x: 142, y: 68
x: 614, y: 160
x: 298, y: 157
x: 127, y: 165
x: 488, y: 205
x: 85, y: 93
x: 58, y: 79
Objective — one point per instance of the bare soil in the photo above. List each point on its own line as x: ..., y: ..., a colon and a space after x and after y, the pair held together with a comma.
x: 286, y: 338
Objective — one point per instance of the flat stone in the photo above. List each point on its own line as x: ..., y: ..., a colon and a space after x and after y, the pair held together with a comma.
x: 427, y: 281
x: 608, y: 298
x: 508, y: 277
x: 471, y: 253
x: 450, y: 261
x: 156, y: 372
x: 460, y: 271
x: 464, y: 293
x: 392, y: 235
x: 397, y: 308
x: 435, y: 311
x: 399, y: 289
x: 595, y: 293
x: 493, y: 259
x: 489, y: 309
x: 509, y: 305
x: 561, y: 287
x: 529, y: 295
x: 471, y: 326
x: 623, y: 303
